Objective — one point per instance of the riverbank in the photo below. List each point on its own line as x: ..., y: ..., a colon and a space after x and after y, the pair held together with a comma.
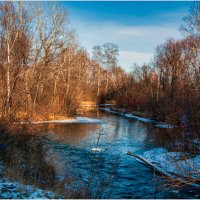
x: 42, y: 119
x: 181, y: 167
x: 143, y: 117
x: 22, y: 116
x: 15, y: 190
x: 76, y: 120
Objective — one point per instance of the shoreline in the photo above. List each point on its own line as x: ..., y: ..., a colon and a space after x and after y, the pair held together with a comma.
x: 75, y: 120
x: 172, y: 165
x: 129, y: 115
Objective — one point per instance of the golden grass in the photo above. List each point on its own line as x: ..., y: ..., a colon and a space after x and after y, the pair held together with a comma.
x: 39, y: 117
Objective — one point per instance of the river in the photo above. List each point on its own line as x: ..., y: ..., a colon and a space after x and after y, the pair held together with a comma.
x: 95, y: 156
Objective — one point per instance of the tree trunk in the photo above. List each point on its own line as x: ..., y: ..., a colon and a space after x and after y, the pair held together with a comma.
x: 8, y: 79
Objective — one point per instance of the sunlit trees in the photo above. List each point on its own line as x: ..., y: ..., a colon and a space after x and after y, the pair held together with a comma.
x: 48, y: 44
x: 43, y: 70
x: 110, y: 54
x: 15, y: 46
x: 105, y: 58
x: 170, y: 62
x: 169, y: 87
x: 97, y: 64
x: 123, y: 88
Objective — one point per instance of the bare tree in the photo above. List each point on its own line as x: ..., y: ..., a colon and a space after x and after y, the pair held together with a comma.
x: 15, y: 43
x: 98, y: 58
x: 110, y: 53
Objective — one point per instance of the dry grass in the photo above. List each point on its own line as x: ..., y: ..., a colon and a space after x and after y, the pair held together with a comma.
x: 21, y: 116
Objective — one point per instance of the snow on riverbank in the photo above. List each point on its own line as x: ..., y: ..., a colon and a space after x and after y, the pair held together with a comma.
x: 147, y: 120
x: 142, y: 119
x: 77, y: 120
x: 174, y: 162
x: 164, y: 125
x: 106, y: 104
x: 14, y: 190
x: 111, y: 111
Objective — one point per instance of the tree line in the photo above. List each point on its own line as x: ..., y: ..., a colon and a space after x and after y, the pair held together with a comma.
x: 44, y: 71
x: 169, y: 86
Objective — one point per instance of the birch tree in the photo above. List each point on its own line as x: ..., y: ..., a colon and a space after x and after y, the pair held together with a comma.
x: 98, y: 58
x: 110, y: 53
x: 15, y: 43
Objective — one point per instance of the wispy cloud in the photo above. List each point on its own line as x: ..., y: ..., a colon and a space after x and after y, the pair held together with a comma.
x: 136, y: 43
x: 130, y: 57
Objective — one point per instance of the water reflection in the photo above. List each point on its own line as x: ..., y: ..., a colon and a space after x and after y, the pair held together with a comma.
x: 115, y: 130
x: 70, y: 134
x: 119, y: 175
x: 24, y: 158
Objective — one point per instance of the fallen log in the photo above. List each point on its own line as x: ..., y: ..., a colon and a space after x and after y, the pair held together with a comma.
x: 161, y: 171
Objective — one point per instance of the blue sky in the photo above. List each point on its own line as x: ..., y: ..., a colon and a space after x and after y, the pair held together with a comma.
x: 136, y: 27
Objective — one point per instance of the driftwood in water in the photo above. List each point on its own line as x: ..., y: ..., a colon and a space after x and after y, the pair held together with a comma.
x: 161, y: 171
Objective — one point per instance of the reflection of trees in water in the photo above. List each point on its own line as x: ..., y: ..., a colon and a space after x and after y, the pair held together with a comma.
x: 25, y: 159
x: 71, y: 134
x: 29, y: 160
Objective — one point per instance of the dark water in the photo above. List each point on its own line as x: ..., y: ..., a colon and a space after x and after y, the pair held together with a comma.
x: 110, y: 172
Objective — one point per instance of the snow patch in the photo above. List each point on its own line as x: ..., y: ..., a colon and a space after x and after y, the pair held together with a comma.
x: 106, y: 104
x: 77, y: 120
x: 111, y: 111
x: 14, y: 190
x: 174, y: 162
x: 164, y: 125
x: 142, y: 119
x: 147, y: 120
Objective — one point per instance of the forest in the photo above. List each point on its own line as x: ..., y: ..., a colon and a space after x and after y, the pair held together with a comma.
x: 44, y: 72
